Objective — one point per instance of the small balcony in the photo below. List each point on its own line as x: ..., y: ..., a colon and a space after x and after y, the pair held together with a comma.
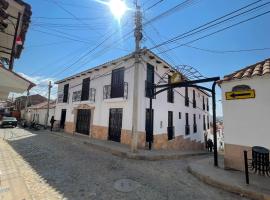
x: 171, y: 131
x: 61, y: 98
x: 76, y: 96
x: 108, y: 93
x: 187, y: 130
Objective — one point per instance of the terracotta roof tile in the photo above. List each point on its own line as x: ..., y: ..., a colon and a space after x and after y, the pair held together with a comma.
x: 258, y: 69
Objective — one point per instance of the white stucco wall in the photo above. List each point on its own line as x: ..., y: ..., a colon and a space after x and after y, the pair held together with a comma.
x: 246, y: 122
x: 160, y: 105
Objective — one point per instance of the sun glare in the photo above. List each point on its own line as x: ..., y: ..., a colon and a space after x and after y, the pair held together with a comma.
x: 118, y: 8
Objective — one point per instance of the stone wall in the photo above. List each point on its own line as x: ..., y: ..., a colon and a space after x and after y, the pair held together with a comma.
x: 178, y: 143
x: 234, y: 156
x: 99, y: 132
x: 69, y: 127
x: 160, y: 141
x: 126, y: 138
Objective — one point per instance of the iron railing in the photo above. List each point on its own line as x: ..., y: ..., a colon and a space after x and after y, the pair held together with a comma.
x: 92, y: 94
x: 107, y: 91
x: 60, y: 98
x: 76, y: 96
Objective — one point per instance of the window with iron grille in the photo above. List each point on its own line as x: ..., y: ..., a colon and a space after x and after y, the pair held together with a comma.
x: 85, y: 89
x: 194, y: 99
x: 187, y: 128
x: 150, y: 80
x: 204, y: 124
x: 65, y: 96
x: 194, y: 124
x: 170, y: 128
x: 170, y: 93
x: 186, y: 97
x: 203, y: 104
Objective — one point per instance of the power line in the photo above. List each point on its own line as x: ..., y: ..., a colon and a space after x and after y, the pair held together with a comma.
x: 181, y: 5
x: 70, y: 13
x: 206, y: 27
x: 228, y: 51
x: 57, y: 35
x: 152, y: 6
x: 220, y: 30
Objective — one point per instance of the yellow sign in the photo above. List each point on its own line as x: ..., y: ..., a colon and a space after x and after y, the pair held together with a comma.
x: 245, y: 94
x: 176, y: 78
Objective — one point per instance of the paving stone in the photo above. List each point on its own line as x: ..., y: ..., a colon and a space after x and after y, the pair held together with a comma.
x: 55, y: 167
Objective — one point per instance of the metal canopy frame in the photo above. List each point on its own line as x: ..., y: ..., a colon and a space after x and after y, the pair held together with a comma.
x: 191, y: 83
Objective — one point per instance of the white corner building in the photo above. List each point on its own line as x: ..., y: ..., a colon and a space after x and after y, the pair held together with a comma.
x: 98, y: 102
x: 245, y: 102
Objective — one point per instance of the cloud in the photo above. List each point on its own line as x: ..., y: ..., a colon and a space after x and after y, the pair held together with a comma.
x: 41, y: 86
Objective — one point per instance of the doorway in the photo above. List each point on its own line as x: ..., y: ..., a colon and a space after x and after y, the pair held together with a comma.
x: 83, y: 121
x: 63, y: 118
x: 115, y: 124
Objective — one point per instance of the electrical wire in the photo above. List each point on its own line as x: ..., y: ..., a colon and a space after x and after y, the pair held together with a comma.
x: 220, y: 30
x: 228, y: 51
x: 210, y: 24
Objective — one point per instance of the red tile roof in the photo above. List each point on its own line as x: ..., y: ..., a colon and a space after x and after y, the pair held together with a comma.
x: 259, y: 69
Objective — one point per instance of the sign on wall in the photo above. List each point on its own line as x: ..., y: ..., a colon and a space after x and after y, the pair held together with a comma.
x: 244, y: 94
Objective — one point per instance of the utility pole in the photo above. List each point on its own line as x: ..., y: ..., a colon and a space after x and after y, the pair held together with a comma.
x: 48, y: 106
x: 138, y: 38
x: 26, y: 105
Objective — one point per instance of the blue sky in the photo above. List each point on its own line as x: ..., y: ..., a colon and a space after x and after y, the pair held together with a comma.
x: 86, y: 23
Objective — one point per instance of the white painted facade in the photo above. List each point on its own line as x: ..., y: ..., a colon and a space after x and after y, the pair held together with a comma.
x: 246, y: 121
x: 38, y: 113
x: 100, y: 113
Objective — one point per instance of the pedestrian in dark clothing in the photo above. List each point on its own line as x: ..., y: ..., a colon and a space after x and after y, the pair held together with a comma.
x: 210, y: 145
x: 52, y: 122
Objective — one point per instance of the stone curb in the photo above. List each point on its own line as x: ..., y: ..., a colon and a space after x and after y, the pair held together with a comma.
x: 229, y: 188
x: 135, y: 156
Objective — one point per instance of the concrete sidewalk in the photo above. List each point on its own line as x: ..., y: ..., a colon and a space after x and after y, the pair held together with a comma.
x: 122, y: 150
x: 229, y: 180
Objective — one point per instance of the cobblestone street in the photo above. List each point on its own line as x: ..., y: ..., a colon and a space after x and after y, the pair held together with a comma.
x: 55, y: 167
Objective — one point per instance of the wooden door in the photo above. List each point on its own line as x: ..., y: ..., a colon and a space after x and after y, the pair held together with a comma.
x: 83, y: 121
x: 63, y: 118
x: 115, y: 124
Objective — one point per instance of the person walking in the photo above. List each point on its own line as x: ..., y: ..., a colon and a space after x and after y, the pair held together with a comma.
x: 210, y: 145
x: 52, y: 122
